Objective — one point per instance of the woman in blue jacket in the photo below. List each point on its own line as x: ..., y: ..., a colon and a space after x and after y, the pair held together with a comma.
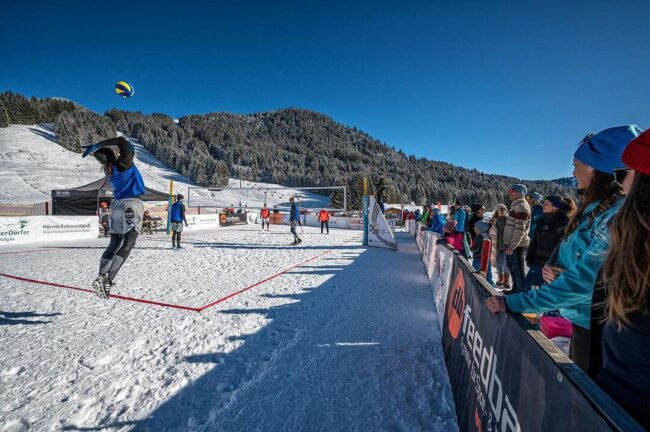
x: 438, y: 222
x: 570, y: 275
x: 125, y: 222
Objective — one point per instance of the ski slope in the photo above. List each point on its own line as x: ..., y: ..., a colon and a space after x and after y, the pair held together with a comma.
x: 325, y: 336
x: 32, y: 164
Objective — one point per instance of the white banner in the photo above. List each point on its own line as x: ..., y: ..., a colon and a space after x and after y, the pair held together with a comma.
x: 33, y: 229
x: 379, y: 232
x: 356, y: 223
x: 202, y: 222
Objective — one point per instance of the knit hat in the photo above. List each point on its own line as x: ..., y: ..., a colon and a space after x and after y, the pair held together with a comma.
x: 500, y: 207
x: 523, y: 190
x: 536, y: 196
x: 603, y: 151
x: 556, y: 201
x: 450, y: 226
x: 482, y: 226
x: 637, y: 153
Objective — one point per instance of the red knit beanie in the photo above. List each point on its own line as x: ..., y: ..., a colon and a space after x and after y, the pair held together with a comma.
x: 637, y: 153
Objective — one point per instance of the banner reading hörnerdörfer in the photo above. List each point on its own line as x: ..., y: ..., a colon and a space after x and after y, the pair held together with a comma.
x: 33, y: 229
x: 501, y: 379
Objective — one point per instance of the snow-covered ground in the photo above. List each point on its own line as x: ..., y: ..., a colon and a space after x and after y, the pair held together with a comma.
x: 32, y: 164
x: 348, y: 340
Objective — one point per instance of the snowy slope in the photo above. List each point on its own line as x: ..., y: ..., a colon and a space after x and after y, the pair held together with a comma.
x: 342, y: 342
x: 32, y: 164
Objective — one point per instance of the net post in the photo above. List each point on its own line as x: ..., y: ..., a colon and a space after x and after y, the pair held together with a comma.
x: 366, y: 203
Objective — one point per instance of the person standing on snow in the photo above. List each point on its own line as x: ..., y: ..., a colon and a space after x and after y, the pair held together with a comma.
x: 515, y: 235
x: 294, y: 219
x: 264, y: 215
x: 177, y: 219
x: 534, y: 200
x: 116, y: 156
x: 324, y: 219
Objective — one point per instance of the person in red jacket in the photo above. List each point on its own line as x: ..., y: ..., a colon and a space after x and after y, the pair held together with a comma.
x: 264, y: 215
x: 324, y: 219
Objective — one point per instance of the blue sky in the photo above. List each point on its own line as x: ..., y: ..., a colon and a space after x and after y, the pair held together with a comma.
x: 504, y: 87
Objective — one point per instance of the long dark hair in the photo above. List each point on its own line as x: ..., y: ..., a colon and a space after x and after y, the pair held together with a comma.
x: 602, y: 189
x: 626, y: 272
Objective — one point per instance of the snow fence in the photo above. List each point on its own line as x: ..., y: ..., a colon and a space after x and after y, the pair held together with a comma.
x: 505, y: 374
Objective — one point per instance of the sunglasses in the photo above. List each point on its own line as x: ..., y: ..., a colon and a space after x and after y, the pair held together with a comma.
x: 620, y: 174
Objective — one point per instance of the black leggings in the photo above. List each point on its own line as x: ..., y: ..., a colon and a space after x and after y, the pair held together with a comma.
x: 117, y: 252
x: 176, y: 238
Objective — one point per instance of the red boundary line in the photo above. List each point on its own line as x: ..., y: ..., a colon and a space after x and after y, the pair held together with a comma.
x: 169, y: 305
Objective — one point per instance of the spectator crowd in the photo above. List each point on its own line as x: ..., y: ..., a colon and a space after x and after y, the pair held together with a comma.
x: 587, y: 261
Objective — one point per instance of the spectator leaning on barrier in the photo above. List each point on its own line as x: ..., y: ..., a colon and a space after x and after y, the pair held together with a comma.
x: 481, y: 233
x: 625, y: 372
x: 549, y: 233
x: 515, y: 235
x: 417, y: 214
x: 571, y: 273
x: 477, y: 214
x: 498, y: 223
x: 453, y: 237
x: 534, y: 200
x: 438, y: 222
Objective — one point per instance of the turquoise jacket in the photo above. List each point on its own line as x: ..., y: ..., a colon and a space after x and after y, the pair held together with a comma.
x: 581, y: 255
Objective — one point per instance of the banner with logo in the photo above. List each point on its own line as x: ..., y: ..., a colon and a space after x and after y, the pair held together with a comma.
x: 501, y: 378
x: 356, y: 223
x: 33, y: 229
x: 379, y: 232
x: 202, y: 222
x: 230, y: 219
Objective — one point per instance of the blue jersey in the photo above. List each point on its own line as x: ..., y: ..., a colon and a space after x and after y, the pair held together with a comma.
x: 178, y: 212
x: 127, y: 184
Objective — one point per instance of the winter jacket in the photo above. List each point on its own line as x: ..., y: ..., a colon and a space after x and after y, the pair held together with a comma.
x: 417, y: 215
x: 549, y: 233
x: 178, y: 212
x: 460, y: 216
x: 515, y: 233
x: 536, y: 215
x: 625, y: 374
x: 455, y: 240
x: 477, y: 245
x: 500, y: 226
x: 469, y: 227
x: 424, y: 217
x: 581, y: 254
x: 323, y: 216
x: 438, y: 223
x: 264, y: 214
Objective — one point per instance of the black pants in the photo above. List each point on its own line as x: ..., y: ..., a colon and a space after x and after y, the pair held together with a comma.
x: 325, y: 224
x: 117, y: 251
x: 295, y: 234
x: 516, y: 267
x: 583, y: 351
x: 267, y: 225
x: 176, y: 238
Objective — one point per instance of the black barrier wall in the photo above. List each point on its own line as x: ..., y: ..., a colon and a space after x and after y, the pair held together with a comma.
x: 505, y: 375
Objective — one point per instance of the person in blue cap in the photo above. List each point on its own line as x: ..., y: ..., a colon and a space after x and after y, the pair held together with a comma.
x: 438, y: 222
x: 571, y: 273
x: 515, y: 235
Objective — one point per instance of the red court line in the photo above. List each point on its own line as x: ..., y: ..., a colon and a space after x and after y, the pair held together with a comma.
x: 116, y: 296
x: 155, y: 303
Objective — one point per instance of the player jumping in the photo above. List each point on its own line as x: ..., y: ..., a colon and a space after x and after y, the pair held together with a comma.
x: 125, y: 221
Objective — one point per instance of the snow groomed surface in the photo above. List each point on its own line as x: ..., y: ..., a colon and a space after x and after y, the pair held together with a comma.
x: 326, y: 336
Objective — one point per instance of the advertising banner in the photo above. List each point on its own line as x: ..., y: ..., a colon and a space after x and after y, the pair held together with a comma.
x: 230, y: 219
x: 356, y: 223
x: 501, y: 378
x: 202, y: 222
x: 33, y: 229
